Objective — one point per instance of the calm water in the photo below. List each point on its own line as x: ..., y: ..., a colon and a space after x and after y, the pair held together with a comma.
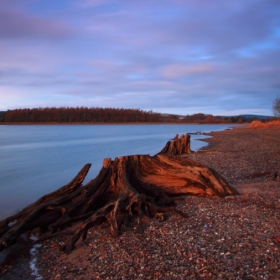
x: 38, y: 159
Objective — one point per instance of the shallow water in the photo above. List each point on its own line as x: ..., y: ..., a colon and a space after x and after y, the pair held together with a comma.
x: 33, y: 261
x: 38, y: 159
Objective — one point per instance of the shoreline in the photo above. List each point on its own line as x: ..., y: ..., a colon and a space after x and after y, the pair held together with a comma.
x: 233, y: 238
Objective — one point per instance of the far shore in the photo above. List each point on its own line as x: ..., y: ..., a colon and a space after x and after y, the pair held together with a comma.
x: 111, y: 123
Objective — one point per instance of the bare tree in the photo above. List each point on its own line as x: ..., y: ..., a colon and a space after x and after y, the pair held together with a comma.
x: 276, y: 106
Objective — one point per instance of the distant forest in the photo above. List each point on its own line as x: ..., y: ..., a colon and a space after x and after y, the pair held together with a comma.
x: 107, y: 115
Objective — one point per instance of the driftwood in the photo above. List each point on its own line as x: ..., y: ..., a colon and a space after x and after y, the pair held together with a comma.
x: 125, y: 189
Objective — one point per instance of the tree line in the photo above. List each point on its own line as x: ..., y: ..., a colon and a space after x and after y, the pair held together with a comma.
x: 107, y: 115
x: 80, y: 115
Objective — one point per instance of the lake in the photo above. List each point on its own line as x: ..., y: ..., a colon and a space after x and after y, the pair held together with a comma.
x: 38, y: 159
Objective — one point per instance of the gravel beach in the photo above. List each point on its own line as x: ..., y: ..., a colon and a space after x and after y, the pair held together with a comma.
x: 237, y: 237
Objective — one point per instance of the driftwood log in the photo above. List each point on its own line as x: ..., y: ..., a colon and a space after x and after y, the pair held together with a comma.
x: 125, y: 189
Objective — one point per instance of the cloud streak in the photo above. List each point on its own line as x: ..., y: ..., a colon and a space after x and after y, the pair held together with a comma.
x: 179, y: 70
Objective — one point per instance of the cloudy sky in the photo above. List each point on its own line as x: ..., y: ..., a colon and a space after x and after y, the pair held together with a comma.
x: 171, y: 56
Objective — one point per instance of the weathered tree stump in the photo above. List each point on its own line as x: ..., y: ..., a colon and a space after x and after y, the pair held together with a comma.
x: 125, y: 189
x: 178, y: 146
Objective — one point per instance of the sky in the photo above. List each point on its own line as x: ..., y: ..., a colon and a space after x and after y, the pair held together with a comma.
x: 171, y: 56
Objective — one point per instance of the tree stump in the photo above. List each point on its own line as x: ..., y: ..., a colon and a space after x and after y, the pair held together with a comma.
x: 178, y: 146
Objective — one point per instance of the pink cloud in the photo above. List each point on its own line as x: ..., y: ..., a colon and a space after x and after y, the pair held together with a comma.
x: 103, y: 64
x: 180, y: 70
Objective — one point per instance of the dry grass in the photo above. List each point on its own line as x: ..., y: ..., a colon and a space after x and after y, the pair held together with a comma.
x: 259, y: 124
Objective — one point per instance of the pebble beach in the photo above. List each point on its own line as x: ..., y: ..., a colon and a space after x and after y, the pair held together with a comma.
x: 237, y: 237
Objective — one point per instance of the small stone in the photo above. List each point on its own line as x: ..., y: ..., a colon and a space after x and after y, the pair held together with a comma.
x: 277, y: 240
